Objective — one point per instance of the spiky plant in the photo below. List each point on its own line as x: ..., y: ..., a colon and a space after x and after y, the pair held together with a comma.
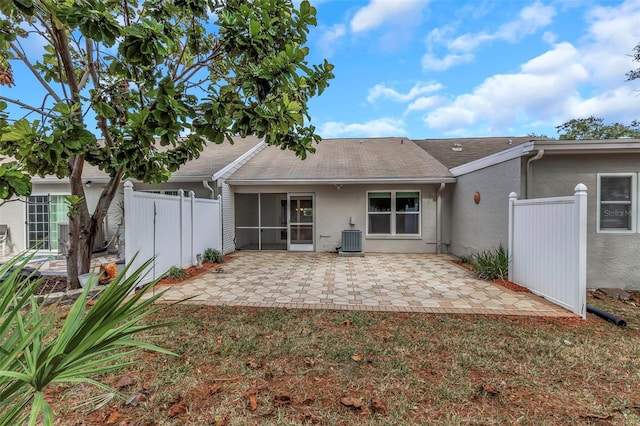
x: 34, y: 353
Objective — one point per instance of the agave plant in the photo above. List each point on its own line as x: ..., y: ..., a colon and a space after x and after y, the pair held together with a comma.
x: 89, y: 341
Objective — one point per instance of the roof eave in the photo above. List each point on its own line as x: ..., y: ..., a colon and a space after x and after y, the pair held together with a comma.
x: 493, y: 159
x: 345, y: 181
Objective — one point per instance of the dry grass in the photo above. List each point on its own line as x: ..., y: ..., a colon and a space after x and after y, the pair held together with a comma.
x: 276, y: 366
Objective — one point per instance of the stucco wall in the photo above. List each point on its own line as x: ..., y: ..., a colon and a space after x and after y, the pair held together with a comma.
x: 334, y: 208
x: 612, y: 259
x: 485, y: 225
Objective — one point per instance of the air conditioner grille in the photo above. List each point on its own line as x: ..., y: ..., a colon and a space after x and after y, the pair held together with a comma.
x: 352, y: 241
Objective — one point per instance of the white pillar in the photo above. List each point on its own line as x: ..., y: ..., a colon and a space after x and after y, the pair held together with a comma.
x: 581, y: 261
x: 513, y: 197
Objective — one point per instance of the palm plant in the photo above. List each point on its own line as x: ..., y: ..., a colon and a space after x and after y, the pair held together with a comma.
x: 33, y: 354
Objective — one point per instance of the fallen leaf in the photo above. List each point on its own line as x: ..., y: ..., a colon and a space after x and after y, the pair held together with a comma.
x: 357, y: 357
x: 113, y: 417
x: 352, y: 402
x: 282, y: 400
x: 124, y: 382
x: 313, y: 418
x: 178, y: 409
x: 253, y: 402
x: 346, y: 322
x: 597, y: 416
x: 254, y: 364
x: 378, y: 406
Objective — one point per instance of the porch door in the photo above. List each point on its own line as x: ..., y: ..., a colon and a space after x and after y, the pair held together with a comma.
x: 300, y: 222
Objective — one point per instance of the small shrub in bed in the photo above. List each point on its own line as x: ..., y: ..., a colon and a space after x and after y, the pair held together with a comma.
x: 176, y: 273
x: 491, y: 264
x: 212, y: 256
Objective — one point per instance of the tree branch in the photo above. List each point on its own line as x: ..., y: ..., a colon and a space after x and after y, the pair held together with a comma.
x: 26, y: 106
x: 35, y: 72
x: 102, y: 122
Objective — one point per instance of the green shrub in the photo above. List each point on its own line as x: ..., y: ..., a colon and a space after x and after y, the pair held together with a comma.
x: 176, y: 273
x: 212, y: 256
x: 491, y: 264
x: 36, y: 350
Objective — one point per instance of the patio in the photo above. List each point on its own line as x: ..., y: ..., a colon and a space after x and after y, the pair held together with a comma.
x: 376, y: 282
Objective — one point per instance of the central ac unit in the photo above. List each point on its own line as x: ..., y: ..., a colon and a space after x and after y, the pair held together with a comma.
x: 351, y: 241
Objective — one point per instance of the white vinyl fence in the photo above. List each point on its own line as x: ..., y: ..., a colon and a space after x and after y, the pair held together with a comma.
x: 548, y: 247
x: 173, y: 228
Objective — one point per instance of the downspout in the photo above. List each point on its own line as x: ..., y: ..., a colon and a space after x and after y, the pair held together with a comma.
x: 439, y: 218
x: 205, y: 183
x: 528, y: 183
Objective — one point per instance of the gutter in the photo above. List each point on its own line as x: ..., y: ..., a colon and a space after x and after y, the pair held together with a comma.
x: 528, y: 183
x: 439, y: 218
x: 331, y: 181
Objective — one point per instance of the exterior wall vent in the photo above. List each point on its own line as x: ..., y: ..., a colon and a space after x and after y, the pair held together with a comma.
x: 352, y: 241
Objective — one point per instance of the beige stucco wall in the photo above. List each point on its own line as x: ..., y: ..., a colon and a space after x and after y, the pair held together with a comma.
x: 476, y: 227
x: 334, y: 208
x: 612, y: 259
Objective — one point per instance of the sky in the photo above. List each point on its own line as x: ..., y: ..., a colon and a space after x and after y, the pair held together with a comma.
x: 454, y: 68
x: 466, y: 68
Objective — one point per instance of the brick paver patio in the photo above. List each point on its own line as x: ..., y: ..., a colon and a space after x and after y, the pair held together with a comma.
x: 376, y: 282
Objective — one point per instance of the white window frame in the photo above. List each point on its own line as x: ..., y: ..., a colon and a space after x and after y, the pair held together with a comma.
x: 634, y: 204
x: 394, y: 214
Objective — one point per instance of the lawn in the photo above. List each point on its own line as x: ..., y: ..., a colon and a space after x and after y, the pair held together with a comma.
x: 239, y: 366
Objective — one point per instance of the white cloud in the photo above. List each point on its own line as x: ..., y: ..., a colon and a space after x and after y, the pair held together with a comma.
x: 377, y: 12
x: 380, y: 127
x: 545, y: 87
x: 431, y: 63
x: 423, y: 103
x: 330, y: 37
x: 530, y: 19
x: 420, y: 88
x: 612, y: 34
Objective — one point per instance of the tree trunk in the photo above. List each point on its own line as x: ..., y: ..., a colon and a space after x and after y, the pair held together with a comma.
x: 83, y: 226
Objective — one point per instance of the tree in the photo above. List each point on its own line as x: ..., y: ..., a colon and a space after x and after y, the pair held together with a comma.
x: 138, y: 89
x: 594, y: 128
x: 634, y: 74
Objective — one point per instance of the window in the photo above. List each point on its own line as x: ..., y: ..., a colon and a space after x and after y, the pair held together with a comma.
x: 393, y: 213
x: 617, y: 202
x: 44, y: 212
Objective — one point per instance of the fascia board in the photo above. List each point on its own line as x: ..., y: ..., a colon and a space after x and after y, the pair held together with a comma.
x: 493, y: 159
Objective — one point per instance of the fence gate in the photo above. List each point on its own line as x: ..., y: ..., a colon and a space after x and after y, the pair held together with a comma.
x: 548, y: 247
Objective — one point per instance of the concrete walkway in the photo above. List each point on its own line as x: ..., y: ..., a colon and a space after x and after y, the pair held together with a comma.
x: 376, y: 282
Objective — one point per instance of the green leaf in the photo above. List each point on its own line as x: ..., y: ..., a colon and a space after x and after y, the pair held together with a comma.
x: 254, y: 28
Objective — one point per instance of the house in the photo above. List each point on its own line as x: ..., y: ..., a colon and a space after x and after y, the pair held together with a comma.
x: 35, y: 223
x: 488, y: 169
x: 404, y: 196
x: 387, y: 188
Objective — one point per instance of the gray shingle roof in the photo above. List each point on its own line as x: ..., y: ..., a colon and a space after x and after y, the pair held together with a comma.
x: 343, y: 160
x: 472, y: 148
x: 213, y: 158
